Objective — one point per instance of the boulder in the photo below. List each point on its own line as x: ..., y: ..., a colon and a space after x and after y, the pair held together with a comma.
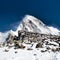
x: 39, y: 45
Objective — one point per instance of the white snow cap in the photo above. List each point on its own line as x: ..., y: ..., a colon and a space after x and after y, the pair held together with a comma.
x: 32, y: 24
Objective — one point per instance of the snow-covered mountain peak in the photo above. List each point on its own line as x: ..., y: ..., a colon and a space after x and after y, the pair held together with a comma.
x: 32, y: 24
x: 30, y: 19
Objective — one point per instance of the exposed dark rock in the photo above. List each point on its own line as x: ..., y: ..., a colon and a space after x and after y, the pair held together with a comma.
x: 17, y: 46
x: 6, y: 50
x: 48, y: 48
x: 54, y: 50
x: 39, y: 45
x: 35, y: 54
x: 43, y: 50
x: 47, y: 43
x: 29, y: 49
x: 16, y: 52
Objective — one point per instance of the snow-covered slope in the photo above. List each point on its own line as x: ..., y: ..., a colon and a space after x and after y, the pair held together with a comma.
x: 4, y: 35
x: 32, y: 24
x: 24, y: 54
x: 54, y: 30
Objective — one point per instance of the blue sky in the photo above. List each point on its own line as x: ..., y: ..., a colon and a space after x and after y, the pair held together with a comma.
x: 12, y: 12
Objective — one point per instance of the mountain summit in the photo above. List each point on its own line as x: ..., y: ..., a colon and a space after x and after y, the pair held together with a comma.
x: 32, y: 24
